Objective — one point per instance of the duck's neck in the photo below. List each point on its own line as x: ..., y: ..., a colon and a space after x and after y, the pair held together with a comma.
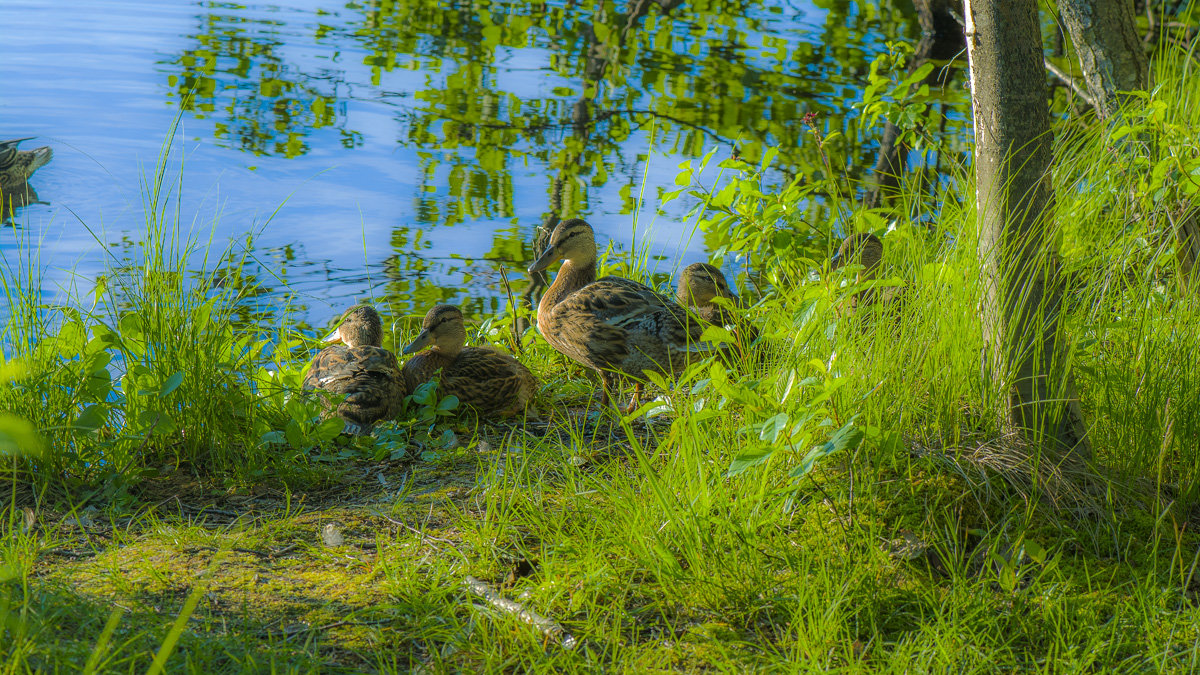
x: 572, y: 276
x: 448, y: 352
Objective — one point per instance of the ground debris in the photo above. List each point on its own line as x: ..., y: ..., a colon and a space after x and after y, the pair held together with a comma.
x: 549, y: 627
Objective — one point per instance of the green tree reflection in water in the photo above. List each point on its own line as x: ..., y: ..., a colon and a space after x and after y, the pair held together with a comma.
x: 484, y: 91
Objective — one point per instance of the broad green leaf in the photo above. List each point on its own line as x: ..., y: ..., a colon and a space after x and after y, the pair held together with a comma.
x: 295, y: 437
x: 170, y: 385
x: 92, y: 417
x: 1035, y: 551
x: 447, y: 404
x: 329, y: 429
x: 19, y: 436
x: 770, y: 430
x: 748, y: 459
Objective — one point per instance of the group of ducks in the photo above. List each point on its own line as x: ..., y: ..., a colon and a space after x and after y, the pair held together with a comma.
x: 617, y: 327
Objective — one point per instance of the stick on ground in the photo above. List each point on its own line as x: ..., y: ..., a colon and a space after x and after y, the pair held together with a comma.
x: 548, y: 626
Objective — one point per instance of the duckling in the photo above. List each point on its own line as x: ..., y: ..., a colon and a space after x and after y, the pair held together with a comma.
x: 615, y: 326
x: 491, y: 383
x: 699, y: 283
x: 361, y: 369
x: 866, y: 249
x: 17, y: 165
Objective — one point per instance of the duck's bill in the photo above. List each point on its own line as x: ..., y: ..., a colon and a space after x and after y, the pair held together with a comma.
x: 417, y: 344
x: 333, y: 338
x: 547, y: 259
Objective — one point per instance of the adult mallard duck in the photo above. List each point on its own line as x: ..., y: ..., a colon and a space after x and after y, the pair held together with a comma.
x: 866, y: 249
x: 360, y: 369
x: 699, y: 283
x: 17, y: 165
x: 489, y: 382
x: 615, y: 326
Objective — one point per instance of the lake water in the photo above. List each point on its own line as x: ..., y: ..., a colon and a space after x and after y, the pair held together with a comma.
x: 402, y: 151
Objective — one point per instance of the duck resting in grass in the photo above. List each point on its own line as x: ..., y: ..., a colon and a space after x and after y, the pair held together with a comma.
x: 866, y: 250
x: 357, y: 367
x: 491, y: 383
x: 699, y: 284
x: 617, y: 327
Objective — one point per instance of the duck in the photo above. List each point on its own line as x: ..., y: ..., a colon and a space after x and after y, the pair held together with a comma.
x: 866, y: 250
x: 18, y: 165
x: 698, y: 284
x: 491, y: 383
x: 619, y: 328
x: 15, y: 168
x: 357, y: 366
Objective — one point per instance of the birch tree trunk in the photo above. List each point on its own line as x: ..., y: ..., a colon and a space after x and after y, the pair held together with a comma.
x: 1022, y: 277
x: 1110, y: 51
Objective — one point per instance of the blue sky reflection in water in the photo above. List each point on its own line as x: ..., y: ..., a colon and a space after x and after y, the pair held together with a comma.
x: 385, y: 150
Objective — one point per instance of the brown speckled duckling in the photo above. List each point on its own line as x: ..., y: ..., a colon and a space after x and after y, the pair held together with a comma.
x: 361, y: 369
x: 615, y: 326
x: 699, y: 283
x: 491, y: 383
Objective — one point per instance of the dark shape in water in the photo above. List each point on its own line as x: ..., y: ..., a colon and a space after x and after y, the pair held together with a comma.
x: 16, y: 166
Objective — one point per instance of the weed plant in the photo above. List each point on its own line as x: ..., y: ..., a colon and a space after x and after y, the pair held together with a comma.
x: 841, y: 499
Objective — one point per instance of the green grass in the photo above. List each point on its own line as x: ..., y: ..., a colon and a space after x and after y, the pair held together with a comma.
x: 843, y: 501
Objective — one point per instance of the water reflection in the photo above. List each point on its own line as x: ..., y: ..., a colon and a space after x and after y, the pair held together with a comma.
x: 419, y: 145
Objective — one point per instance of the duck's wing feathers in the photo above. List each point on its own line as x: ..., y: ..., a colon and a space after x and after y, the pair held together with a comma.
x: 490, y: 382
x: 369, y: 378
x: 619, y: 324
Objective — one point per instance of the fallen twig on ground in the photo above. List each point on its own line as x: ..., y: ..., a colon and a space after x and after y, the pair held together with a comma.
x: 549, y: 627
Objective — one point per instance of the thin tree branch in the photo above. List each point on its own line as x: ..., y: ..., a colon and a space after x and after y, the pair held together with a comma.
x: 1062, y: 75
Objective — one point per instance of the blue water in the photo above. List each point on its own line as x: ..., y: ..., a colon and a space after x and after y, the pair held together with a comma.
x: 350, y: 164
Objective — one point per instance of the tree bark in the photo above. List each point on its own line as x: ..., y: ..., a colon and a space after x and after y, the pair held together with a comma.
x: 1021, y: 273
x: 1110, y: 51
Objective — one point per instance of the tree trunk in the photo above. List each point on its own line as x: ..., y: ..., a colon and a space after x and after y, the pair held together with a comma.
x: 1110, y: 51
x: 1021, y: 273
x: 1113, y: 59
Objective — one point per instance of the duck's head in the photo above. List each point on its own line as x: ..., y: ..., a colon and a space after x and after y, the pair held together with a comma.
x: 360, y: 325
x: 572, y: 240
x: 442, y: 329
x: 699, y: 283
x: 863, y: 249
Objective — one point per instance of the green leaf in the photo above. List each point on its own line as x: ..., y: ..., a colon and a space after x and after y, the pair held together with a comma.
x: 717, y: 334
x: 770, y: 430
x: 170, y: 385
x: 295, y: 437
x: 92, y: 418
x: 748, y: 459
x: 329, y: 429
x: 1035, y: 551
x: 447, y: 404
x: 273, y: 438
x: 848, y: 436
x: 18, y: 436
